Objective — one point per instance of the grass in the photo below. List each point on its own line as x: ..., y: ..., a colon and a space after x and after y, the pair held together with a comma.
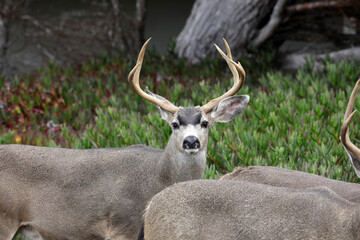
x: 292, y: 121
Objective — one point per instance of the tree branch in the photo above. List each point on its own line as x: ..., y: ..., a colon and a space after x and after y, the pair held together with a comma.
x: 140, y: 19
x: 319, y: 4
x: 293, y: 62
x: 4, y: 34
x: 268, y: 30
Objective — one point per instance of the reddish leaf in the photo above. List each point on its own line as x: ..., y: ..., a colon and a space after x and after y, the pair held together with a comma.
x: 37, y: 110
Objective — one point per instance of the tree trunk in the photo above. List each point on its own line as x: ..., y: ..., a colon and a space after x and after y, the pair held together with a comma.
x: 2, y: 45
x: 121, y: 33
x: 140, y: 16
x: 65, y: 38
x: 3, y: 35
x: 238, y: 21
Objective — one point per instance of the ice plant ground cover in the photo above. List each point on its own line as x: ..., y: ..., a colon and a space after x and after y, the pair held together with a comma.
x: 292, y: 121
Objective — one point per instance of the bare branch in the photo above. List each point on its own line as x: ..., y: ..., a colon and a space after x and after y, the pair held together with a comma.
x: 140, y: 18
x: 319, y: 4
x: 4, y: 34
x: 295, y: 61
x: 268, y: 30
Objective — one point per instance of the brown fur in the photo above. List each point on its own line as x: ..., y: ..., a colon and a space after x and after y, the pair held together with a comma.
x: 83, y: 194
x: 280, y: 177
x: 227, y: 210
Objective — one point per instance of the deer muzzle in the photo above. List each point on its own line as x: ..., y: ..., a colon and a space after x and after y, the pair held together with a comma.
x: 191, y: 143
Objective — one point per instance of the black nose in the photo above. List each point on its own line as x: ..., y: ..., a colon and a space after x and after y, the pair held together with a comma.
x: 191, y: 142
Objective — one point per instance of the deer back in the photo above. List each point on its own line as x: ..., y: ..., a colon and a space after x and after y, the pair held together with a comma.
x: 280, y: 177
x: 210, y: 209
x: 61, y: 192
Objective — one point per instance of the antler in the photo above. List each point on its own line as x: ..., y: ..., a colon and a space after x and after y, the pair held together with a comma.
x: 238, y: 82
x: 344, y: 131
x: 134, y: 82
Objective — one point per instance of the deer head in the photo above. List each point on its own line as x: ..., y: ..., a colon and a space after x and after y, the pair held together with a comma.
x: 190, y: 125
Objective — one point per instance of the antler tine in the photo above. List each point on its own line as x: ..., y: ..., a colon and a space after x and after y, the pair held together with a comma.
x: 228, y: 51
x: 238, y: 82
x: 344, y: 131
x: 237, y: 65
x: 134, y: 76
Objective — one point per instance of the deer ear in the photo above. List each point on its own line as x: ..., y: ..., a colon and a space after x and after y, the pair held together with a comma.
x: 165, y: 115
x: 228, y: 108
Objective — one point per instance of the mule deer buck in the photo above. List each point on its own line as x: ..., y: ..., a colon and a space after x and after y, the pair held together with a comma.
x: 101, y: 193
x: 237, y: 207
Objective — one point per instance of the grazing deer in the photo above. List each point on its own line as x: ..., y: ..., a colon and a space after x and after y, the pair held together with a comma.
x: 299, y: 206
x: 101, y: 193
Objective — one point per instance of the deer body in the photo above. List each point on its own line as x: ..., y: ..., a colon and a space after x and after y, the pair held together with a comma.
x: 261, y: 203
x: 226, y: 210
x: 89, y: 196
x: 280, y: 177
x: 98, y: 194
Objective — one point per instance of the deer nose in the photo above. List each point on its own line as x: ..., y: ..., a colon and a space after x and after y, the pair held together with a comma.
x: 191, y: 142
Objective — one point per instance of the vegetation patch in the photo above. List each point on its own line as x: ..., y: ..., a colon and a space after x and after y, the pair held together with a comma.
x: 292, y: 121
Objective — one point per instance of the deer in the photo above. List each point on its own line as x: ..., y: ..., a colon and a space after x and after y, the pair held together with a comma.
x: 99, y: 194
x: 261, y: 203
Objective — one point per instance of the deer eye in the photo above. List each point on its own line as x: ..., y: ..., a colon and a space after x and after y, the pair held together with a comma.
x: 204, y: 124
x: 175, y: 125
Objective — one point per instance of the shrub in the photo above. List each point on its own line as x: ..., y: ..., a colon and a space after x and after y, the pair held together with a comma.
x: 292, y: 121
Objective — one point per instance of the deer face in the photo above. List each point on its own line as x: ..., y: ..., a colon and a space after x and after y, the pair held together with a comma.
x: 190, y: 128
x: 190, y: 125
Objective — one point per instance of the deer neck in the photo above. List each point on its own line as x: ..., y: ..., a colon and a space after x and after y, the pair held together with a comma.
x: 177, y: 166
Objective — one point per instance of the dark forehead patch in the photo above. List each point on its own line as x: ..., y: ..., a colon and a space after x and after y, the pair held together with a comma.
x: 189, y: 115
